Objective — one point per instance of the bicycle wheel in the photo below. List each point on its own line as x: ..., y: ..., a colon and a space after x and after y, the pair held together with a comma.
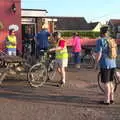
x: 37, y: 75
x: 28, y: 58
x: 101, y: 85
x: 88, y: 61
x: 52, y: 69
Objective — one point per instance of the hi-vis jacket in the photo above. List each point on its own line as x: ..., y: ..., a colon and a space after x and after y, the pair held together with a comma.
x: 62, y: 54
x: 10, y: 41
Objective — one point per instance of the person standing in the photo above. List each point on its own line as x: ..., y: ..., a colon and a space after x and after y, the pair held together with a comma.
x: 11, y: 43
x: 76, y: 49
x: 41, y: 39
x: 29, y: 42
x: 106, y: 57
x: 61, y: 56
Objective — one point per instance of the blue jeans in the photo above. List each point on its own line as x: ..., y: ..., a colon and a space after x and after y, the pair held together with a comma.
x: 76, y: 57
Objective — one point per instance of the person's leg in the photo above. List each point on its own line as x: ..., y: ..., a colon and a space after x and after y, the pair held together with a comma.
x: 107, y: 92
x: 9, y: 52
x: 14, y: 53
x: 111, y: 91
x: 77, y: 59
x: 105, y: 76
x: 62, y: 64
x: 63, y: 74
x: 74, y: 58
x: 112, y: 72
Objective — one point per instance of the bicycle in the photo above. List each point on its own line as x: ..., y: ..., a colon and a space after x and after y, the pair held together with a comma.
x: 27, y: 54
x: 44, y: 70
x: 88, y: 59
x: 116, y: 82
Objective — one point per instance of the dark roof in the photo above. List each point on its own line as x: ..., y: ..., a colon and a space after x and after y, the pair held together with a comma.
x: 115, y: 21
x: 93, y: 25
x: 71, y: 23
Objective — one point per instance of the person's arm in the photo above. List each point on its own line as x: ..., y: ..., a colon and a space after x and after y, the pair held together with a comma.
x: 7, y: 41
x: 98, y: 57
x: 35, y: 39
x: 73, y: 41
x: 98, y: 51
x: 61, y: 45
x: 98, y: 54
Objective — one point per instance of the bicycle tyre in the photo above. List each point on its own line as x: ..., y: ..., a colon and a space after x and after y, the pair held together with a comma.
x: 88, y: 61
x: 52, y: 69
x: 28, y: 58
x: 37, y: 75
x: 101, y: 85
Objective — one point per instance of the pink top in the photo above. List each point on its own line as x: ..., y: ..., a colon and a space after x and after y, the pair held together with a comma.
x: 76, y: 44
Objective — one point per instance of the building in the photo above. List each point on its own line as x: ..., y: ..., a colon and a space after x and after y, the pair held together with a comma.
x: 114, y: 25
x: 32, y: 18
x: 10, y: 13
x: 95, y: 26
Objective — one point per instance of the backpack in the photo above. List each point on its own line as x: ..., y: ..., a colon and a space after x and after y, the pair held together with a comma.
x: 112, y: 48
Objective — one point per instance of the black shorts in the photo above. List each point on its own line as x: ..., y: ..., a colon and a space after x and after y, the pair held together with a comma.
x: 107, y: 75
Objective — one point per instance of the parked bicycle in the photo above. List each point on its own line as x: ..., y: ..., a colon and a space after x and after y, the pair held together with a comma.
x: 116, y: 81
x: 88, y: 58
x: 27, y: 53
x: 44, y: 70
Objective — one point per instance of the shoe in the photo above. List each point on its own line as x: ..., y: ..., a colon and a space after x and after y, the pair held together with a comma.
x: 111, y: 101
x: 61, y: 83
x: 104, y: 103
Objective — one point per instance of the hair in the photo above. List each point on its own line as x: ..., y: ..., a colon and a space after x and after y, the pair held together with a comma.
x: 103, y: 30
x: 56, y: 34
x: 10, y: 31
x: 75, y: 34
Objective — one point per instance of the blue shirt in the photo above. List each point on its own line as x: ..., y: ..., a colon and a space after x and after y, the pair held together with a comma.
x: 105, y: 61
x: 42, y: 39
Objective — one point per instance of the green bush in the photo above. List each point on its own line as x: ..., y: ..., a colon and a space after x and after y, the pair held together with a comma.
x: 82, y: 34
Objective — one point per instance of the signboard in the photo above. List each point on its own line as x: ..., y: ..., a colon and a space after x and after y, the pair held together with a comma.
x: 33, y: 13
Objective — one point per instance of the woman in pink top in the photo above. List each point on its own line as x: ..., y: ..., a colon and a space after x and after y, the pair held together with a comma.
x: 76, y: 49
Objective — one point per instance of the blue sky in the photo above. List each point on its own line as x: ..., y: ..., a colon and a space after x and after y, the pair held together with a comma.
x: 92, y: 10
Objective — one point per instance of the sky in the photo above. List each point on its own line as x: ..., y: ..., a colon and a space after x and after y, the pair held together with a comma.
x: 91, y: 10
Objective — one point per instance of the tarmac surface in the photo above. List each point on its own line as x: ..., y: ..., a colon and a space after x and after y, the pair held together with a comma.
x: 77, y: 100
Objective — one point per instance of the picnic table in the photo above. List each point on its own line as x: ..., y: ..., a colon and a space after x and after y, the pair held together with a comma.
x: 12, y: 65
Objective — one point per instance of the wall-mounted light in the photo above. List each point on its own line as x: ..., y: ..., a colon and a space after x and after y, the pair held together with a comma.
x: 13, y: 8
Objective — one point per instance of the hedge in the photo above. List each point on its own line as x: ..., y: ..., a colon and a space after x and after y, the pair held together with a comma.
x: 82, y: 34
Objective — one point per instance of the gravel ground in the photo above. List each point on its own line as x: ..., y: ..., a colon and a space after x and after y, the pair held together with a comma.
x: 77, y: 100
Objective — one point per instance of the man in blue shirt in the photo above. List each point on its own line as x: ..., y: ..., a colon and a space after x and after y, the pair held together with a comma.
x: 42, y: 40
x: 107, y: 65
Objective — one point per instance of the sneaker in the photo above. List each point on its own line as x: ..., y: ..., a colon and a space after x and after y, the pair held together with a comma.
x: 60, y: 83
x: 104, y: 103
x: 111, y: 101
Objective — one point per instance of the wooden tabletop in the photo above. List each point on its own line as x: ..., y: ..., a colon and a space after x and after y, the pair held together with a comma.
x: 11, y: 59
